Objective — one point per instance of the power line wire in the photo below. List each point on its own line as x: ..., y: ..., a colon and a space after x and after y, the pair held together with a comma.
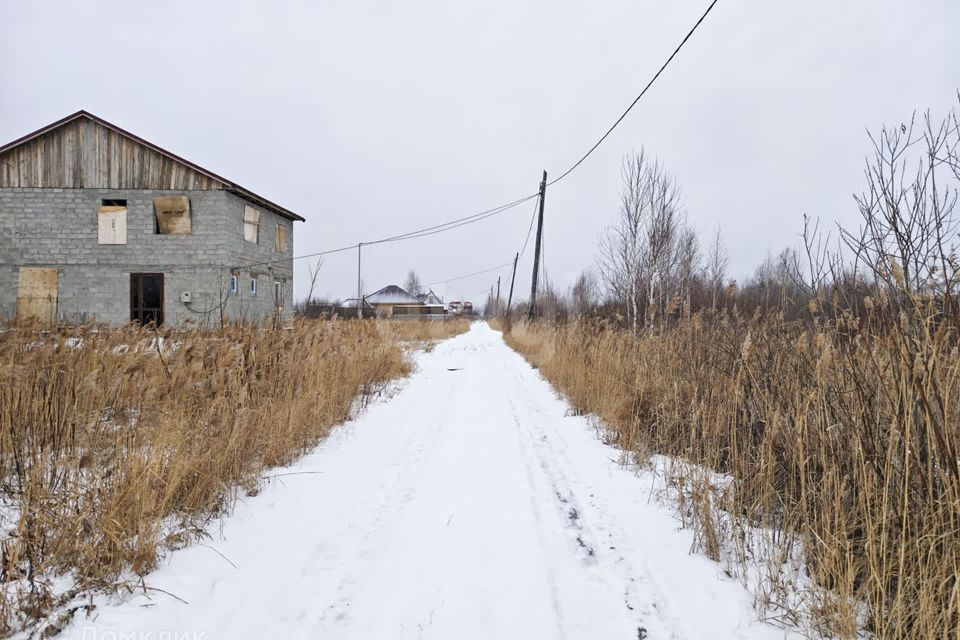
x: 470, y: 275
x: 530, y: 228
x: 308, y: 255
x: 411, y: 235
x: 506, y: 264
x: 637, y: 99
x: 453, y: 224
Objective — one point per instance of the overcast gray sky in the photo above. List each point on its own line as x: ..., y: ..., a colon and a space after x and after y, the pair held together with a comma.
x: 372, y: 118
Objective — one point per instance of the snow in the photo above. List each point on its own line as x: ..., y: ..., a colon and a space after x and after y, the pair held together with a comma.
x: 472, y: 504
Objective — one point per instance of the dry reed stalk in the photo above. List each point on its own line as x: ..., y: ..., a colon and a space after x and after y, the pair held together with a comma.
x: 424, y: 331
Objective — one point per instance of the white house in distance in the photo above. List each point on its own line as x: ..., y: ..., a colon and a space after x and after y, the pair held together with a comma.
x: 393, y: 301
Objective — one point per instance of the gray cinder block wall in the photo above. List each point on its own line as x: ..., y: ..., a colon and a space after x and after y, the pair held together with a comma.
x: 57, y: 228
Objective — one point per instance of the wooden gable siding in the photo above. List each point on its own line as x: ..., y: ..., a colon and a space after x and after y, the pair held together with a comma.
x: 83, y: 154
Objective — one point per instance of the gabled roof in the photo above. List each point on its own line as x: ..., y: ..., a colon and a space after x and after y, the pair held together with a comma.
x: 430, y: 298
x: 392, y: 294
x: 228, y: 185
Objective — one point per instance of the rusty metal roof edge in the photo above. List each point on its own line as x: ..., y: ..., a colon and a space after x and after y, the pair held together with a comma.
x: 229, y: 185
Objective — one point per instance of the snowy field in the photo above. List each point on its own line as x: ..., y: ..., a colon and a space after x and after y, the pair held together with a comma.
x: 469, y: 505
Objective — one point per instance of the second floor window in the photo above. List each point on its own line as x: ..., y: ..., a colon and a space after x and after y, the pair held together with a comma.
x: 281, y: 238
x: 251, y: 224
x: 253, y: 284
x: 234, y: 283
x: 172, y: 215
x: 112, y: 222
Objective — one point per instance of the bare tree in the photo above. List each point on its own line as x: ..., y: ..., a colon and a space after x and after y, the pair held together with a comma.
x: 809, y: 272
x: 717, y: 261
x: 661, y: 241
x: 907, y: 239
x: 314, y: 270
x: 620, y: 256
x: 952, y: 151
x: 638, y: 253
x: 687, y: 267
x: 413, y: 284
x: 583, y: 294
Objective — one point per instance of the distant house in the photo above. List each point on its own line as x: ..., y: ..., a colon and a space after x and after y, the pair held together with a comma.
x: 458, y: 307
x: 430, y: 298
x: 97, y: 224
x: 393, y: 301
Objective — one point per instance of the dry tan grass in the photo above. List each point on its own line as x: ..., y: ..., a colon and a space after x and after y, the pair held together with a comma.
x: 419, y: 331
x: 115, y: 446
x: 841, y: 433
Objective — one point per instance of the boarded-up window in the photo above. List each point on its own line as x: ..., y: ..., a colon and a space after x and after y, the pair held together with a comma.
x: 37, y: 294
x: 251, y: 224
x: 278, y: 293
x: 281, y: 241
x: 112, y: 222
x: 173, y: 215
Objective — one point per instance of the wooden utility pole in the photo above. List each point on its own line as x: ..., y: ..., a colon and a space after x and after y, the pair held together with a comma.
x: 512, y: 277
x: 498, y: 295
x: 536, y: 249
x: 359, y: 293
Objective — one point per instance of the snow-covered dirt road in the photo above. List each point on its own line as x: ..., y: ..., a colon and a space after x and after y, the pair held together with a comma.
x: 469, y: 505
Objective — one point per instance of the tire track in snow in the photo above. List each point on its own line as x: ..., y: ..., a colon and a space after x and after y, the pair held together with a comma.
x: 536, y: 509
x: 389, y: 502
x: 596, y: 535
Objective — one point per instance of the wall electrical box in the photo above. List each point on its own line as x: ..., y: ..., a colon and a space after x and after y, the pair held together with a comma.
x: 185, y: 297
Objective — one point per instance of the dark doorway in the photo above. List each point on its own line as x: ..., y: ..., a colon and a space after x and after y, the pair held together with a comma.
x: 146, y: 298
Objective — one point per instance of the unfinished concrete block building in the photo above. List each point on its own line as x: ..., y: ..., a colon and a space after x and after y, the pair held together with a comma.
x: 98, y: 225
